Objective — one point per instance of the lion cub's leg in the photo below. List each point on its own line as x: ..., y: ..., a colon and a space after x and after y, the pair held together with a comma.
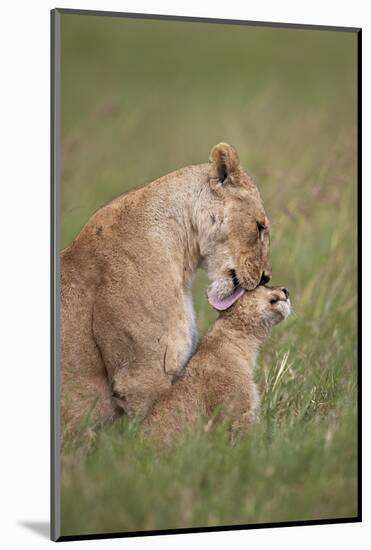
x: 180, y: 407
x: 246, y: 410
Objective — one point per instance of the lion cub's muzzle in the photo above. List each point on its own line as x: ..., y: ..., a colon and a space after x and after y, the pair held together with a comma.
x: 279, y: 300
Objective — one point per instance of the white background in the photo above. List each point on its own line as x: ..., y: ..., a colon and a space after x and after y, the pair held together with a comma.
x: 24, y: 267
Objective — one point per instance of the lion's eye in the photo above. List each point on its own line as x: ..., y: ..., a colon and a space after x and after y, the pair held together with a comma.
x: 261, y: 227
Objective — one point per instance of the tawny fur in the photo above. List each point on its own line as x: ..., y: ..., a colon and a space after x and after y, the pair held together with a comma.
x: 219, y: 377
x: 127, y: 319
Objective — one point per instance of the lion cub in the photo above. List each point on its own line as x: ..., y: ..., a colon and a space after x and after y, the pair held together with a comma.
x: 219, y: 376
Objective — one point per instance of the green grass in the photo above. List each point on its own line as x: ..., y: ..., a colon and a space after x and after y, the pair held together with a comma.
x: 287, y: 100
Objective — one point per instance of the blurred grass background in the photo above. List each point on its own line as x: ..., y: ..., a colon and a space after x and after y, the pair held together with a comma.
x: 141, y: 98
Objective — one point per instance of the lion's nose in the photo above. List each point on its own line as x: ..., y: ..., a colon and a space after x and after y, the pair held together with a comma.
x: 265, y: 278
x: 286, y: 292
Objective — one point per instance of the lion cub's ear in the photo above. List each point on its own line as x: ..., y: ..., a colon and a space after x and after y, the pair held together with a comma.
x: 225, y: 161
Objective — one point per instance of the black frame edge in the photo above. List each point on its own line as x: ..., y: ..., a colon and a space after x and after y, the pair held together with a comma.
x: 359, y: 270
x: 54, y: 275
x: 194, y: 19
x: 225, y: 528
x: 52, y: 254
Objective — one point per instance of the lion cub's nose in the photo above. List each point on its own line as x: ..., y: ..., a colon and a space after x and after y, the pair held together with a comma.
x: 285, y: 291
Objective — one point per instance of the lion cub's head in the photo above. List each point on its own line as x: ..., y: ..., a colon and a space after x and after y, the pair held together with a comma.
x: 259, y: 310
x: 236, y: 249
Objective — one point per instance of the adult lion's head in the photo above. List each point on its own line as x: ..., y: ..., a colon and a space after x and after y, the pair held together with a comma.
x: 234, y: 240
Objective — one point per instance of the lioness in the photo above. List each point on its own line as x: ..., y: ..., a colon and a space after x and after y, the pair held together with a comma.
x: 219, y: 376
x: 127, y: 319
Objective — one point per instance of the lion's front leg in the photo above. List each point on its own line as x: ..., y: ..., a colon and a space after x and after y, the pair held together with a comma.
x: 141, y: 357
x: 136, y: 389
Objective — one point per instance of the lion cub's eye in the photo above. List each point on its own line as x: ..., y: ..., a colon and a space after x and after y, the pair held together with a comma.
x: 274, y: 300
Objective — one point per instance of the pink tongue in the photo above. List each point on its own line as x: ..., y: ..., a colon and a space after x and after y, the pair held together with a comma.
x: 226, y: 302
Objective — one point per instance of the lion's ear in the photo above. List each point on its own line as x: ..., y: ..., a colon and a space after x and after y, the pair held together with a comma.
x: 225, y: 161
